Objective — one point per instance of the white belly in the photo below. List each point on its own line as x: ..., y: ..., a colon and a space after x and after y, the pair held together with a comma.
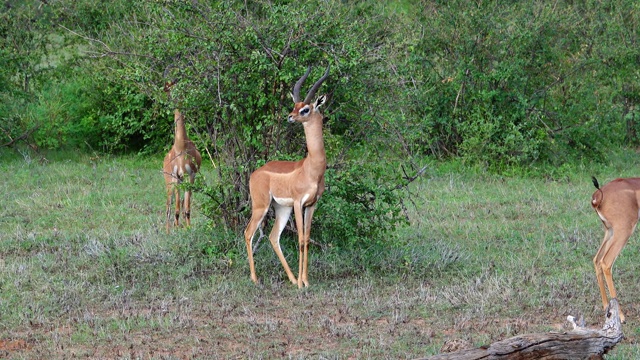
x: 288, y: 202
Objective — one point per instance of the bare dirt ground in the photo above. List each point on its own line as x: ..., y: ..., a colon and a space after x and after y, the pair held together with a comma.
x: 281, y: 324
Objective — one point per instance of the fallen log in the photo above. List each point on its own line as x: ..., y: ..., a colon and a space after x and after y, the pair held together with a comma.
x: 580, y: 343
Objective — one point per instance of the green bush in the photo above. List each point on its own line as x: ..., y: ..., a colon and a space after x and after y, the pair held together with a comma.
x: 515, y: 84
x: 63, y: 116
x: 360, y: 205
x: 131, y: 122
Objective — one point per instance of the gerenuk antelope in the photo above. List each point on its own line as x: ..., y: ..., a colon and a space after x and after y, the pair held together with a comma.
x: 617, y: 204
x: 182, y: 160
x: 291, y: 185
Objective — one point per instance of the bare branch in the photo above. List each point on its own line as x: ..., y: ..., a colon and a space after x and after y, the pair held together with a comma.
x: 108, y: 51
x: 410, y: 179
x: 24, y: 136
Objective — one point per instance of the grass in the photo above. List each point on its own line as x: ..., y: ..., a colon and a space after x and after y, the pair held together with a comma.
x: 87, y: 270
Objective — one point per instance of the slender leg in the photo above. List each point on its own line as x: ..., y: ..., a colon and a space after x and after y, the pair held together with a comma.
x: 297, y: 207
x: 169, y: 199
x: 257, y: 214
x: 617, y: 242
x: 187, y: 207
x: 308, y: 215
x: 177, y: 194
x: 282, y: 216
x: 597, y: 263
x: 187, y: 197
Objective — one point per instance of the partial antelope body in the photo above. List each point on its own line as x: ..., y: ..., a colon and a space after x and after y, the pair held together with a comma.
x: 291, y: 185
x: 617, y: 204
x: 182, y: 160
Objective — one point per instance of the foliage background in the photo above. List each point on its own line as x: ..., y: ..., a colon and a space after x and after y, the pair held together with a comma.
x: 511, y: 87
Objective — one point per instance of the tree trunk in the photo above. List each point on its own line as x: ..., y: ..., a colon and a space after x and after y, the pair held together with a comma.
x: 580, y: 343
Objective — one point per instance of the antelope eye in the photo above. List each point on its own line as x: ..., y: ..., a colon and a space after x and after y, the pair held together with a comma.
x: 304, y: 111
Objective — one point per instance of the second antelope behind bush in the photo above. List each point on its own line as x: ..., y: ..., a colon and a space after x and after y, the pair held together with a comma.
x: 182, y: 160
x: 292, y: 185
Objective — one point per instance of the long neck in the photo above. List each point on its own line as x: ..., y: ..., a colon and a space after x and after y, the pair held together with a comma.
x: 315, y: 144
x: 181, y: 132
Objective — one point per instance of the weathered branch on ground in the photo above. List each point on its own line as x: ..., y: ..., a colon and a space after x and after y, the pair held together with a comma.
x: 580, y: 343
x: 24, y: 136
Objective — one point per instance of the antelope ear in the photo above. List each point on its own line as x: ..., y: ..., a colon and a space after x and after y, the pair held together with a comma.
x: 292, y: 97
x: 320, y: 101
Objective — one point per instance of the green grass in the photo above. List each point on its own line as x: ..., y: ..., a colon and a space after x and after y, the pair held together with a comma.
x: 87, y: 270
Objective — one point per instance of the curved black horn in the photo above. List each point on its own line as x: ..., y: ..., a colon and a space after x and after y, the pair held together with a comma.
x: 316, y: 86
x: 296, y: 88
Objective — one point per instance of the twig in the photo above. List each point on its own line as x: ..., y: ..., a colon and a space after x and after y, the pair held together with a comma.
x: 24, y: 136
x: 455, y: 105
x: 108, y: 52
x: 410, y: 179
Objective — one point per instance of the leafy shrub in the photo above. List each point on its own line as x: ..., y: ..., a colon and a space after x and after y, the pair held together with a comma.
x: 130, y: 121
x: 359, y: 206
x: 524, y: 91
x: 63, y: 116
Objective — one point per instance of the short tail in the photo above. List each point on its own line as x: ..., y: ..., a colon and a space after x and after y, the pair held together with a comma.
x: 597, y: 196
